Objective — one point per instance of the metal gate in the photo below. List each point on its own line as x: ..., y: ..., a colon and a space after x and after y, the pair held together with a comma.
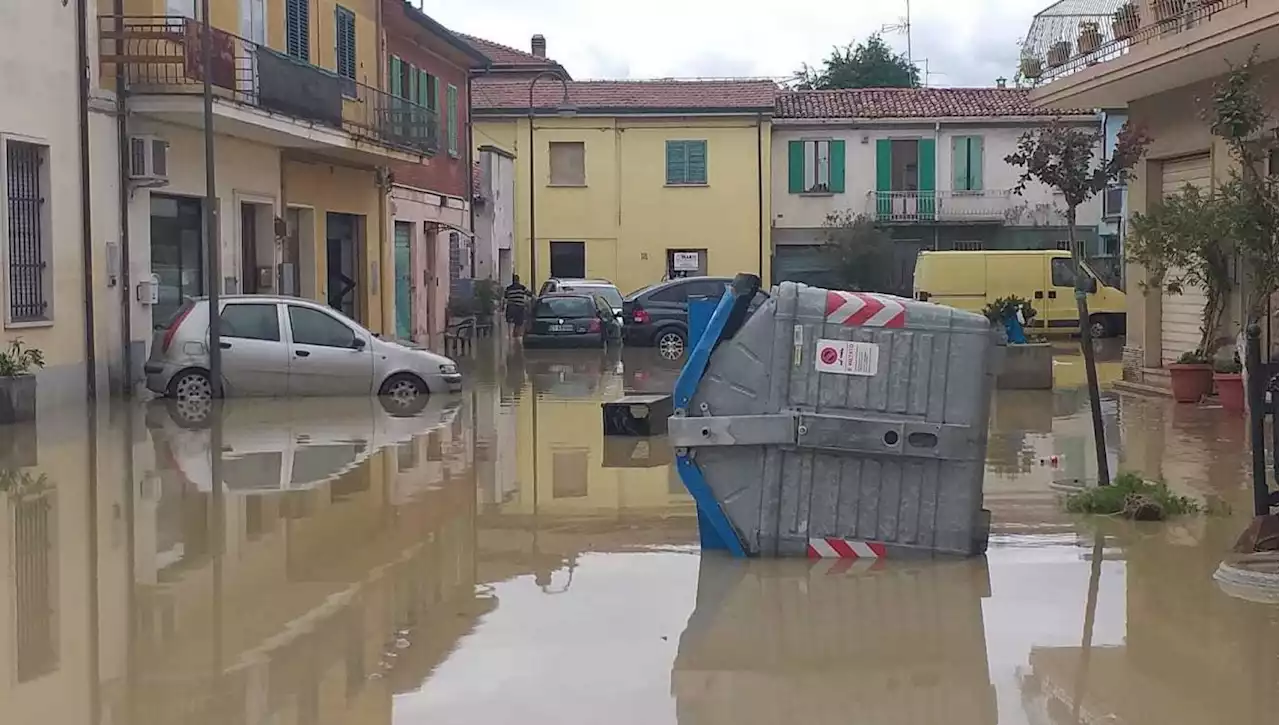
x: 26, y: 231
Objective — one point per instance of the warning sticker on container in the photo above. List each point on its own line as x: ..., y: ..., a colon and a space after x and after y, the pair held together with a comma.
x: 847, y: 358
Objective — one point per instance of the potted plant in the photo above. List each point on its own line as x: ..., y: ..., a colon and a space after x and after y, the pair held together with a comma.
x: 1090, y: 38
x: 1167, y: 10
x: 1058, y: 53
x: 1125, y: 21
x: 18, y: 382
x: 1031, y: 67
x: 1191, y: 377
x: 486, y: 293
x: 1229, y: 383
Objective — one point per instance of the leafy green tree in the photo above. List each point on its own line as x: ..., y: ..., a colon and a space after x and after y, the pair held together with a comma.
x: 858, y: 253
x: 870, y: 64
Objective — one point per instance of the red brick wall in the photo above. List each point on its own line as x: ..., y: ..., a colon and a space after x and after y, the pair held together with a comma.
x: 415, y: 44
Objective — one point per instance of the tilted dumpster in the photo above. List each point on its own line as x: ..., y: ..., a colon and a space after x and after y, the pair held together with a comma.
x: 836, y: 424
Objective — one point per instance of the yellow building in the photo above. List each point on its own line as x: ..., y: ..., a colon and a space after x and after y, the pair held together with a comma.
x: 303, y: 136
x: 628, y: 174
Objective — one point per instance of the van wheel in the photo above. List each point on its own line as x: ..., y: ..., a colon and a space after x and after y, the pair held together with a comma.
x: 1099, y: 327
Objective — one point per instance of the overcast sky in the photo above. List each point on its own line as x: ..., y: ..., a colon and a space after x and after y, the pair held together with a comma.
x: 966, y: 42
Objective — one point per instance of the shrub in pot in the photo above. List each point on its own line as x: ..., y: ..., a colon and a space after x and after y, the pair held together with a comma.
x: 1031, y: 67
x: 1090, y: 38
x: 1229, y: 384
x: 1191, y: 377
x: 1058, y: 53
x: 18, y: 382
x: 1125, y: 21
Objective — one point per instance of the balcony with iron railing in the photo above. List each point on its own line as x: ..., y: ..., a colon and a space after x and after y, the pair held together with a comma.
x: 990, y: 206
x: 1073, y: 43
x: 164, y: 56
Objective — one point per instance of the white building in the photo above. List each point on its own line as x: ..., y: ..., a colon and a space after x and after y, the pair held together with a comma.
x: 495, y: 214
x: 44, y: 167
x: 926, y: 163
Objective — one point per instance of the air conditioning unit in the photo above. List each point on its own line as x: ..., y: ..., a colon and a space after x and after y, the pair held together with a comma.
x: 148, y: 160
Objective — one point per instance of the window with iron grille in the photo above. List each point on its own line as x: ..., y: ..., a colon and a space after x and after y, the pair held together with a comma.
x: 28, y: 223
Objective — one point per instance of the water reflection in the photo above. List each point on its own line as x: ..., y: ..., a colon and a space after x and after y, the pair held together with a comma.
x: 493, y: 558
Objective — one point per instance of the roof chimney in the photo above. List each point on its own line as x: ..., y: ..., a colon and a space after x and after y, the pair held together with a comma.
x: 539, y: 45
x: 1000, y: 82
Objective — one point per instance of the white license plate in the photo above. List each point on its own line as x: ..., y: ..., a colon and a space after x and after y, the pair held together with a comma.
x: 562, y: 328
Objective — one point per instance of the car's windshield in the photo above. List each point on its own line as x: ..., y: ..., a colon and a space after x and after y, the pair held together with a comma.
x: 565, y: 307
x: 609, y: 293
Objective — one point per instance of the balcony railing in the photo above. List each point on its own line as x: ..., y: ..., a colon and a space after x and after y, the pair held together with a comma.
x: 165, y: 56
x: 913, y: 207
x: 1072, y: 35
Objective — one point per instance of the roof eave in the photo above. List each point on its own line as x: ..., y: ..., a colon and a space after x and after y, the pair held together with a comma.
x: 479, y: 59
x: 629, y: 111
x: 780, y: 120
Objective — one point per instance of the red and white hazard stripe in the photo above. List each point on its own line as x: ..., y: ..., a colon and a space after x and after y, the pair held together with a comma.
x: 865, y: 310
x: 836, y: 567
x: 844, y: 549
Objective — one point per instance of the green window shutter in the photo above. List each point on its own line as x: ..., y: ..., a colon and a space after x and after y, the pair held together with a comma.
x: 959, y: 163
x: 435, y: 94
x: 451, y: 107
x: 926, y: 165
x: 795, y: 167
x: 397, y: 85
x: 884, y: 164
x: 975, y: 163
x: 421, y: 126
x: 676, y: 163
x: 884, y: 177
x: 695, y: 162
x: 836, y: 170
x: 411, y: 92
x: 926, y: 162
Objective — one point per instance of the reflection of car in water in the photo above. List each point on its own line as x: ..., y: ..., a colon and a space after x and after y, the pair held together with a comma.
x: 281, y: 445
x: 574, y: 374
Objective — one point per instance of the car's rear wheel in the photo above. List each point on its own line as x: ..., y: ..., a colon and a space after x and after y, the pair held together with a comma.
x: 403, y: 393
x: 190, y: 396
x: 670, y: 343
x: 1099, y: 327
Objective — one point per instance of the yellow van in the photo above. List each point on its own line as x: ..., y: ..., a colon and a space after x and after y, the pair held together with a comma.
x: 970, y: 280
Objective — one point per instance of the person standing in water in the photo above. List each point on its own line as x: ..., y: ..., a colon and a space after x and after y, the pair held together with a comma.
x: 516, y: 299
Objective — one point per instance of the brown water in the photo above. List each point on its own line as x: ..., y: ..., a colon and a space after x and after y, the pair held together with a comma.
x: 494, y: 560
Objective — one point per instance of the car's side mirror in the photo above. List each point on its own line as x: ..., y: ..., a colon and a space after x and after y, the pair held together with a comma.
x: 357, y: 343
x: 1093, y: 285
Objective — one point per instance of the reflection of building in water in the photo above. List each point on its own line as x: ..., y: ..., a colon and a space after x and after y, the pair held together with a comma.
x: 1191, y: 654
x: 780, y: 641
x: 248, y: 603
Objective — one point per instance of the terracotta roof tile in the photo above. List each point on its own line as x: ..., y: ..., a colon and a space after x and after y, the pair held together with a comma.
x: 496, y: 94
x: 910, y: 103
x: 501, y: 54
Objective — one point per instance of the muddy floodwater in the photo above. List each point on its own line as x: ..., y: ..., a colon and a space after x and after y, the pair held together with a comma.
x: 493, y: 559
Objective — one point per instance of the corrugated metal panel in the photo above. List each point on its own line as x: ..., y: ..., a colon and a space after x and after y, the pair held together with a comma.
x: 1181, y: 315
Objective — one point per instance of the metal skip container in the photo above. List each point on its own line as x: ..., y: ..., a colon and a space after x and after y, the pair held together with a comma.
x: 836, y: 424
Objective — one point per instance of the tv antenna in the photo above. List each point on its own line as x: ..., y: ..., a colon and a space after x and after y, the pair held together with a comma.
x: 903, y: 26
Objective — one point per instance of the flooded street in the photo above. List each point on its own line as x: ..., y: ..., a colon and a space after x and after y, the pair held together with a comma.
x: 493, y: 559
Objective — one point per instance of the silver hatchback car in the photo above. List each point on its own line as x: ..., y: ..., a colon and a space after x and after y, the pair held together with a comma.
x: 277, y: 346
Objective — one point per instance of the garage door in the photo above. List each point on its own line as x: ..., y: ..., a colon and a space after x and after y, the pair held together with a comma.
x: 1180, y: 315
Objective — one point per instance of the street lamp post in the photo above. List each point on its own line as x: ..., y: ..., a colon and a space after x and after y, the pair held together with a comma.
x: 564, y: 109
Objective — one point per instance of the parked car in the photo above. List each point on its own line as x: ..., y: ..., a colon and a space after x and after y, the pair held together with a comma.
x: 572, y: 319
x: 601, y: 287
x: 274, y: 346
x: 658, y: 315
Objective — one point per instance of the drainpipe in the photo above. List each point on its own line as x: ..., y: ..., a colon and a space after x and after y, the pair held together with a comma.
x: 86, y: 205
x: 760, y: 196
x: 122, y: 154
x: 470, y: 170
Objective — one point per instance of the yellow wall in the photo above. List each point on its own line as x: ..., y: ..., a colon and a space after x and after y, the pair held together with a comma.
x: 340, y: 189
x: 626, y: 214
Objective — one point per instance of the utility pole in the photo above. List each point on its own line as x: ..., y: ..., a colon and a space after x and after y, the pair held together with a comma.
x: 213, y: 245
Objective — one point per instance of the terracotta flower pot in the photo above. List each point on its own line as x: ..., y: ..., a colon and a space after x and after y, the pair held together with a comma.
x: 1166, y: 10
x: 1058, y: 53
x: 1125, y: 22
x: 1230, y: 387
x: 1190, y: 382
x: 1089, y: 40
